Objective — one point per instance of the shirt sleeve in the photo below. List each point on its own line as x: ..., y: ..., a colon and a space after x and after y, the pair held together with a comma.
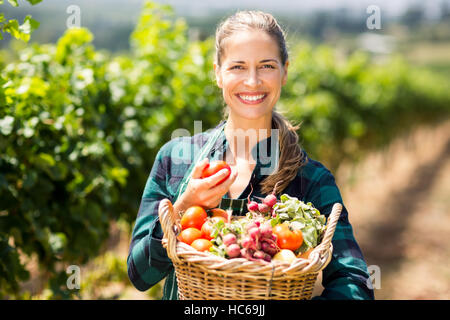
x: 147, y: 260
x: 346, y: 276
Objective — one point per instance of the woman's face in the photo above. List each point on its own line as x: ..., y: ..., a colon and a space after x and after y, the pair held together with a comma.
x: 251, y: 74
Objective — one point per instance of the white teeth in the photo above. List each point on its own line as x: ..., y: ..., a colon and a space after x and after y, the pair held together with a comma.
x: 252, y: 98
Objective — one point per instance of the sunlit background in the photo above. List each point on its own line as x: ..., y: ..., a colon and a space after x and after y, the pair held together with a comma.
x: 84, y: 111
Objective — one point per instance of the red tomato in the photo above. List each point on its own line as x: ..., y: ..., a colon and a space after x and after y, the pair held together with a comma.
x: 193, y: 217
x: 208, y: 227
x: 215, y: 166
x: 217, y: 212
x: 189, y: 235
x: 286, y: 238
x: 201, y: 244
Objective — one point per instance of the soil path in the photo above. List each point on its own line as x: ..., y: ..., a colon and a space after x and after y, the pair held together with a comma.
x: 399, y: 205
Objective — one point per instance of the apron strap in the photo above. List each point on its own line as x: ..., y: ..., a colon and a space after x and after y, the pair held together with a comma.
x: 238, y: 206
x: 206, y: 149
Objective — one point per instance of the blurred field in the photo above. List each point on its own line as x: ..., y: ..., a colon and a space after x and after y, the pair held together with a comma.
x: 399, y: 204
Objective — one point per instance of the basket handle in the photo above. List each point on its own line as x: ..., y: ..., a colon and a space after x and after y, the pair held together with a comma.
x: 170, y: 224
x: 331, y: 227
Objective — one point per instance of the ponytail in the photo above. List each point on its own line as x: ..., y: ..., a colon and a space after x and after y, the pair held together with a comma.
x: 291, y: 155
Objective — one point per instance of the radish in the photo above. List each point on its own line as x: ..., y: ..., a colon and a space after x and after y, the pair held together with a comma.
x: 260, y: 255
x: 263, y: 208
x: 229, y: 239
x: 246, y: 242
x: 271, y: 199
x: 252, y: 206
x: 269, y: 247
x: 266, y: 230
x: 254, y: 233
x: 252, y: 224
x: 248, y: 254
x: 233, y: 250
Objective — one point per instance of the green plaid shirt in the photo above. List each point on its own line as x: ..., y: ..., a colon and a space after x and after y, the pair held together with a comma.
x: 345, y: 277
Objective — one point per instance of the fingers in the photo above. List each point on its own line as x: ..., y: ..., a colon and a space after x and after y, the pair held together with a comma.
x: 216, y: 178
x: 224, y: 186
x: 199, y: 167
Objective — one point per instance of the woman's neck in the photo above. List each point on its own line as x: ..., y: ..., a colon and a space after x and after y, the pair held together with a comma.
x: 242, y: 134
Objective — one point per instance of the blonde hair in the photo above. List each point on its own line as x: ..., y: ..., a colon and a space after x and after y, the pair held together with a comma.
x: 291, y: 155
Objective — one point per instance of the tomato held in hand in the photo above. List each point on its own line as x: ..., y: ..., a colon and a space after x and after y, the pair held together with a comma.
x: 215, y: 166
x: 193, y: 217
x: 287, y: 238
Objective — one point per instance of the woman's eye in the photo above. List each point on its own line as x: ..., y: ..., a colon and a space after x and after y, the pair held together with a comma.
x: 268, y: 66
x: 236, y: 67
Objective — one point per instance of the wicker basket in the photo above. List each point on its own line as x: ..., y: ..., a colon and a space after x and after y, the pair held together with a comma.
x: 203, y: 276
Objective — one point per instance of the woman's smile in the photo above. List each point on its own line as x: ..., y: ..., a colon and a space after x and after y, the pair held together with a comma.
x: 251, y: 98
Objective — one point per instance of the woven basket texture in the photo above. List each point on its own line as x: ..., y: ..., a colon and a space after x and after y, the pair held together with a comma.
x: 204, y: 276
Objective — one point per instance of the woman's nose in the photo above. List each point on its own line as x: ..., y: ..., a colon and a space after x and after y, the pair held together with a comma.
x: 252, y: 79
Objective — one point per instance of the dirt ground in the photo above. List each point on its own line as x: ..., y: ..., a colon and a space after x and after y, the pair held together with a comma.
x: 399, y: 204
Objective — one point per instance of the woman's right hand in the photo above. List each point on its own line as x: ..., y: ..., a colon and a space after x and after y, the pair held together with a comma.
x: 204, y: 192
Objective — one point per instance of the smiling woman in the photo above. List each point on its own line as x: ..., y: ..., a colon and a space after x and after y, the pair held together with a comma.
x: 251, y: 67
x: 251, y: 75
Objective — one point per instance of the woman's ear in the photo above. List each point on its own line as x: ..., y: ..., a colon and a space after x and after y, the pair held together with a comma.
x: 285, y: 73
x: 218, y: 75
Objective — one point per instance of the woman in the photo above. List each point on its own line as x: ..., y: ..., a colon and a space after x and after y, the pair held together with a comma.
x: 251, y: 66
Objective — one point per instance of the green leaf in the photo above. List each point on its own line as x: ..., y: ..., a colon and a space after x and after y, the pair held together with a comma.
x: 13, y: 3
x: 30, y: 180
x: 6, y: 125
x: 29, y: 25
x: 23, y: 31
x: 57, y: 242
x: 44, y: 160
x: 218, y: 226
x: 297, y: 225
x: 12, y: 27
x: 310, y: 236
x: 33, y: 2
x: 119, y: 175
